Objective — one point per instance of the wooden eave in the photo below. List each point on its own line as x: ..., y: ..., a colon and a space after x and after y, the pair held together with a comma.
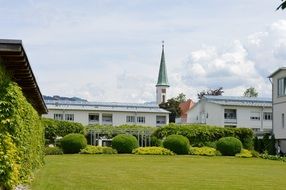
x: 16, y: 63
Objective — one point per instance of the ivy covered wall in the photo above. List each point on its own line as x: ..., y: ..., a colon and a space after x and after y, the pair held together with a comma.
x: 21, y: 135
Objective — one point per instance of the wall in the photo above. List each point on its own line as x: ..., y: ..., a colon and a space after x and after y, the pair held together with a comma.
x: 119, y: 118
x: 279, y: 107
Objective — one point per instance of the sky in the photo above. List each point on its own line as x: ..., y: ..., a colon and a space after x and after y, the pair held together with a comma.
x: 109, y: 50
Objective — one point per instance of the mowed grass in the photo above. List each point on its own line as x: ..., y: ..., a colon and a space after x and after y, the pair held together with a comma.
x: 158, y: 172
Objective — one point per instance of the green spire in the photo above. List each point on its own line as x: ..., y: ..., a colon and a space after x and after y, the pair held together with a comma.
x: 163, y: 78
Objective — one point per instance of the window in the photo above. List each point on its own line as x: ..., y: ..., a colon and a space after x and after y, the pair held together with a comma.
x: 230, y: 113
x: 58, y: 116
x: 282, y: 87
x: 230, y: 126
x: 69, y: 117
x: 93, y: 118
x: 160, y: 119
x: 283, y: 120
x: 140, y: 119
x: 164, y: 99
x: 267, y: 116
x: 106, y: 118
x: 130, y: 119
x: 163, y: 90
x: 254, y: 115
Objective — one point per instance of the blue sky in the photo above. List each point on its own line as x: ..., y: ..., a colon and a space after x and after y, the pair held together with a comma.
x: 109, y: 50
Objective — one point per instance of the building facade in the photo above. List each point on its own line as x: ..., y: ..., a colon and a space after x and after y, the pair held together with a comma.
x: 227, y: 111
x: 104, y: 113
x: 279, y: 107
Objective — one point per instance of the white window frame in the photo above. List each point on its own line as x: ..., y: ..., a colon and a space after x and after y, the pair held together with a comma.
x: 130, y: 119
x: 267, y: 116
x: 58, y: 116
x: 69, y: 117
x: 140, y: 119
x: 256, y: 116
x: 281, y: 87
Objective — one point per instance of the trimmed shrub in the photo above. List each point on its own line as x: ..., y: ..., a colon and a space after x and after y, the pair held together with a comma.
x: 244, y: 154
x: 53, y: 151
x: 199, y: 135
x: 89, y: 149
x: 153, y: 150
x: 55, y: 128
x: 155, y: 141
x: 73, y: 143
x: 177, y: 143
x: 204, y: 151
x: 21, y: 135
x: 124, y: 143
x: 229, y: 146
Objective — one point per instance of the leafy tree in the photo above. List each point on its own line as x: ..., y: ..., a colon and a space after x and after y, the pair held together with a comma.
x: 250, y: 92
x: 214, y: 92
x: 172, y: 105
x: 282, y: 5
x: 181, y: 98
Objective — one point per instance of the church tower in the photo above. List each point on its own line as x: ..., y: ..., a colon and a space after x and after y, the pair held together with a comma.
x: 162, y: 83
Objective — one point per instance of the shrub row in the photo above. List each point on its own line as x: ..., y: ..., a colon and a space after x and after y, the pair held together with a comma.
x: 21, y: 135
x: 204, y: 151
x: 53, y: 151
x: 199, y: 135
x: 89, y: 149
x: 54, y: 128
x: 153, y: 150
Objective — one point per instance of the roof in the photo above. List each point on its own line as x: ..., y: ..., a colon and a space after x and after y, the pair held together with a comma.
x: 16, y: 63
x: 105, y: 106
x: 162, y: 77
x: 278, y: 70
x: 239, y: 101
x: 185, y: 106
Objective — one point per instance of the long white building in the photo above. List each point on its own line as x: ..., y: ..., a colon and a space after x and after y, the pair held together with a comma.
x: 105, y: 113
x: 227, y: 111
x: 112, y: 113
x: 279, y: 106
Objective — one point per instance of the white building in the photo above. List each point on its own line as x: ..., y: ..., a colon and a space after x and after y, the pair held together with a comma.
x: 115, y: 114
x: 104, y: 113
x: 227, y: 111
x: 279, y: 106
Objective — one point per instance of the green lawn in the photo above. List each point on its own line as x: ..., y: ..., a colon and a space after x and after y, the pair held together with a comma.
x: 158, y: 172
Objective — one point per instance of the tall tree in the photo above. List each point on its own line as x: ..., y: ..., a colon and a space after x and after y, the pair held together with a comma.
x: 172, y: 105
x: 282, y: 5
x: 250, y: 92
x: 214, y: 92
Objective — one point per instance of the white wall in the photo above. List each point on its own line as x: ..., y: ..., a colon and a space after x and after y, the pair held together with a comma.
x: 279, y: 107
x: 118, y: 118
x: 213, y: 114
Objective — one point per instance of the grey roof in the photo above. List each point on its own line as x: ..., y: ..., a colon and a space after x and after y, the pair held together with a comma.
x: 239, y: 101
x: 105, y: 106
x: 274, y: 73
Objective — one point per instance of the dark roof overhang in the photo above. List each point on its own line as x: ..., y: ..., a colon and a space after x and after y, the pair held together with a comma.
x: 16, y: 63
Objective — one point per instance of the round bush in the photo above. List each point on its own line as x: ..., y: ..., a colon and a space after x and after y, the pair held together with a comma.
x: 229, y: 146
x: 72, y: 143
x: 124, y: 143
x: 177, y: 143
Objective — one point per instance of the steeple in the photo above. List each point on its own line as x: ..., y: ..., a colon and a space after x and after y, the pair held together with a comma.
x: 162, y: 83
x: 162, y: 77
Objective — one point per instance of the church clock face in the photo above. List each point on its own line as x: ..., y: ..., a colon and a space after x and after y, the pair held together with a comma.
x: 163, y: 91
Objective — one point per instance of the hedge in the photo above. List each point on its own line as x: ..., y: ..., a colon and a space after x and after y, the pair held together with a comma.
x: 177, y: 143
x: 202, y: 135
x: 124, y: 143
x: 89, y: 149
x: 152, y: 150
x: 73, y: 143
x: 229, y: 146
x: 21, y: 135
x: 54, y: 128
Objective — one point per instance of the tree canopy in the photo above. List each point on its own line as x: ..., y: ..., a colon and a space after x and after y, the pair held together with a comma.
x: 250, y: 92
x: 282, y: 5
x: 172, y: 105
x: 215, y: 92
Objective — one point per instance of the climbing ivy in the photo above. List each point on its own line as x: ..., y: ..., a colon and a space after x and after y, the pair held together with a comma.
x: 21, y: 135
